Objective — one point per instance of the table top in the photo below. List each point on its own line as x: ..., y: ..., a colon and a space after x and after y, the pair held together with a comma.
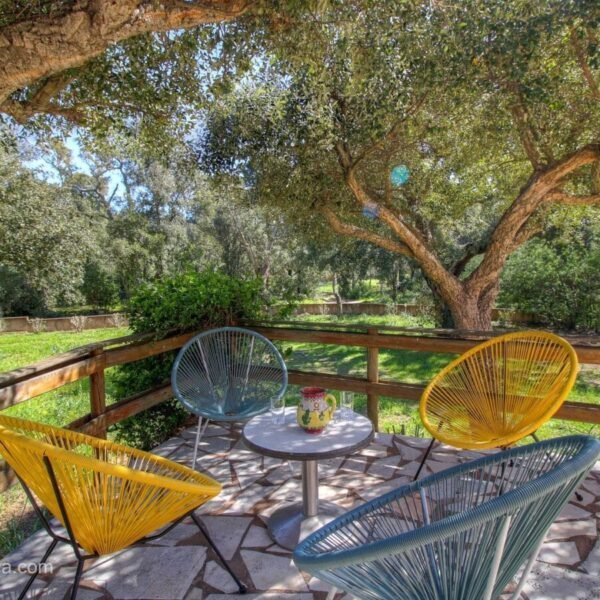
x: 289, y: 441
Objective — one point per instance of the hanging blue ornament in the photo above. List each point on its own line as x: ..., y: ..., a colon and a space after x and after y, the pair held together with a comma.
x: 399, y: 175
x: 371, y: 210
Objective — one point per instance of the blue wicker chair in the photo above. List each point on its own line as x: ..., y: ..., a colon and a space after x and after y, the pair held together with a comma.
x: 227, y: 374
x: 461, y: 534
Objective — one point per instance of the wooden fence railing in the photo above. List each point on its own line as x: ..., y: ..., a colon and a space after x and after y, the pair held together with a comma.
x: 92, y: 360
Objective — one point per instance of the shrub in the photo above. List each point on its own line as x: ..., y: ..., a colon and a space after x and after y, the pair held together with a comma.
x: 189, y: 302
x: 194, y: 301
x: 557, y: 282
x: 99, y: 287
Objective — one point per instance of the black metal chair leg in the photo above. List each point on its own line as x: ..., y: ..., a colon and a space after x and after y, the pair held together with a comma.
x: 424, y: 459
x: 32, y: 578
x: 78, y: 572
x: 241, y: 586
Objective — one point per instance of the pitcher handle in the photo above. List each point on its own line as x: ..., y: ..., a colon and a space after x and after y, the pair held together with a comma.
x: 331, y: 397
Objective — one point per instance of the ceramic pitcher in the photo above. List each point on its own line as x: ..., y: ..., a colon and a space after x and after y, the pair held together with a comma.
x: 315, y: 410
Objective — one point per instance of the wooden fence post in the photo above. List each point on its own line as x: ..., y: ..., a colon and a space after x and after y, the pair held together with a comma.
x: 98, y: 391
x: 373, y: 377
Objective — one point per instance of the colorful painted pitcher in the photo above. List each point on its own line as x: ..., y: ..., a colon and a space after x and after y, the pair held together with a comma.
x: 314, y: 411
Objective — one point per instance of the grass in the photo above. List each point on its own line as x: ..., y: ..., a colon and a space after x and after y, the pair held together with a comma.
x: 323, y: 292
x: 67, y: 403
x: 21, y: 349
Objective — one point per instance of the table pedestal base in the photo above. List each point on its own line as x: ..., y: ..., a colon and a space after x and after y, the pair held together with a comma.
x: 288, y: 525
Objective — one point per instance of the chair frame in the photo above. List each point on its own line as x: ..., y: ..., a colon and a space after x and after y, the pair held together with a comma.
x: 509, y: 439
x: 203, y: 420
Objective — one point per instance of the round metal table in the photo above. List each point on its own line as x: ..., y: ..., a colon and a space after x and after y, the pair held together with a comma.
x: 290, y: 442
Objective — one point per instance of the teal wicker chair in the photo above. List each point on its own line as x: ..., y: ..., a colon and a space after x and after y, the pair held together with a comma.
x: 461, y: 534
x: 227, y: 374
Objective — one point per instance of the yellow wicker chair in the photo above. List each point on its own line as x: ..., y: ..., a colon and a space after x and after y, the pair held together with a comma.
x: 107, y: 496
x: 499, y: 391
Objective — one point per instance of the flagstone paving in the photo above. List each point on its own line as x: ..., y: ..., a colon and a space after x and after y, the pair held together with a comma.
x: 178, y: 566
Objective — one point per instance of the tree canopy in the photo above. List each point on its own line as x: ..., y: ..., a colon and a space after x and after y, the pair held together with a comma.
x: 491, y: 106
x: 49, y: 52
x: 76, y: 237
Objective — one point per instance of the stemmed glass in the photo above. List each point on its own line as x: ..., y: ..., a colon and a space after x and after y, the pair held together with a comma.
x: 278, y: 410
x: 347, y: 406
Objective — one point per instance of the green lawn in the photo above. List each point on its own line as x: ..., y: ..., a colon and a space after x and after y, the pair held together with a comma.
x: 59, y: 407
x: 20, y: 349
x: 69, y: 402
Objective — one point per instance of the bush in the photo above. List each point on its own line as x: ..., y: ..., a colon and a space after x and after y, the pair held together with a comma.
x: 194, y: 301
x: 17, y: 297
x: 557, y: 282
x: 99, y: 287
x: 189, y: 302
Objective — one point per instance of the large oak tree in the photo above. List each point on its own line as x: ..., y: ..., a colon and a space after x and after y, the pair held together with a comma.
x: 493, y: 106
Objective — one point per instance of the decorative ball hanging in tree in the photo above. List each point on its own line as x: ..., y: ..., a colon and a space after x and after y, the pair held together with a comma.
x: 370, y: 210
x: 399, y: 175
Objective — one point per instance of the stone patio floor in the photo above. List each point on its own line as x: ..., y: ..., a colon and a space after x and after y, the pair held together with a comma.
x: 178, y: 566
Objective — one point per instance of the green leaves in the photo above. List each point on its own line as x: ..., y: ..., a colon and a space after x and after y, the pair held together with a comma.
x: 194, y: 301
x: 557, y: 280
x: 43, y: 240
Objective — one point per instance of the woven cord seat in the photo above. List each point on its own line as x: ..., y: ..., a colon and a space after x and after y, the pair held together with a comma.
x: 499, y: 392
x: 106, y: 495
x: 228, y: 374
x: 461, y: 534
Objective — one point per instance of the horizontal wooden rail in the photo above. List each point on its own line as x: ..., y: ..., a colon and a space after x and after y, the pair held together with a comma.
x: 587, y: 354
x: 91, y: 361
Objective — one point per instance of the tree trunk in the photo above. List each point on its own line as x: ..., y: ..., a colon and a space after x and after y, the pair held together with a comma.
x: 465, y: 310
x: 396, y: 282
x: 443, y: 314
x: 468, y: 314
x: 336, y: 293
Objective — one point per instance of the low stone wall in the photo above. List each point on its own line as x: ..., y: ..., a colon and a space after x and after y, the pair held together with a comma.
x: 80, y: 323
x: 76, y: 323
x: 357, y: 308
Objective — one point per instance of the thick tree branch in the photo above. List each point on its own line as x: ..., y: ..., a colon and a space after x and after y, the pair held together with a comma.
x: 363, y: 234
x: 449, y: 285
x: 526, y: 233
x: 471, y: 251
x: 571, y: 199
x: 521, y: 118
x: 528, y: 133
x: 41, y: 102
x: 34, y: 49
x: 583, y: 64
x: 540, y: 187
x: 553, y: 173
